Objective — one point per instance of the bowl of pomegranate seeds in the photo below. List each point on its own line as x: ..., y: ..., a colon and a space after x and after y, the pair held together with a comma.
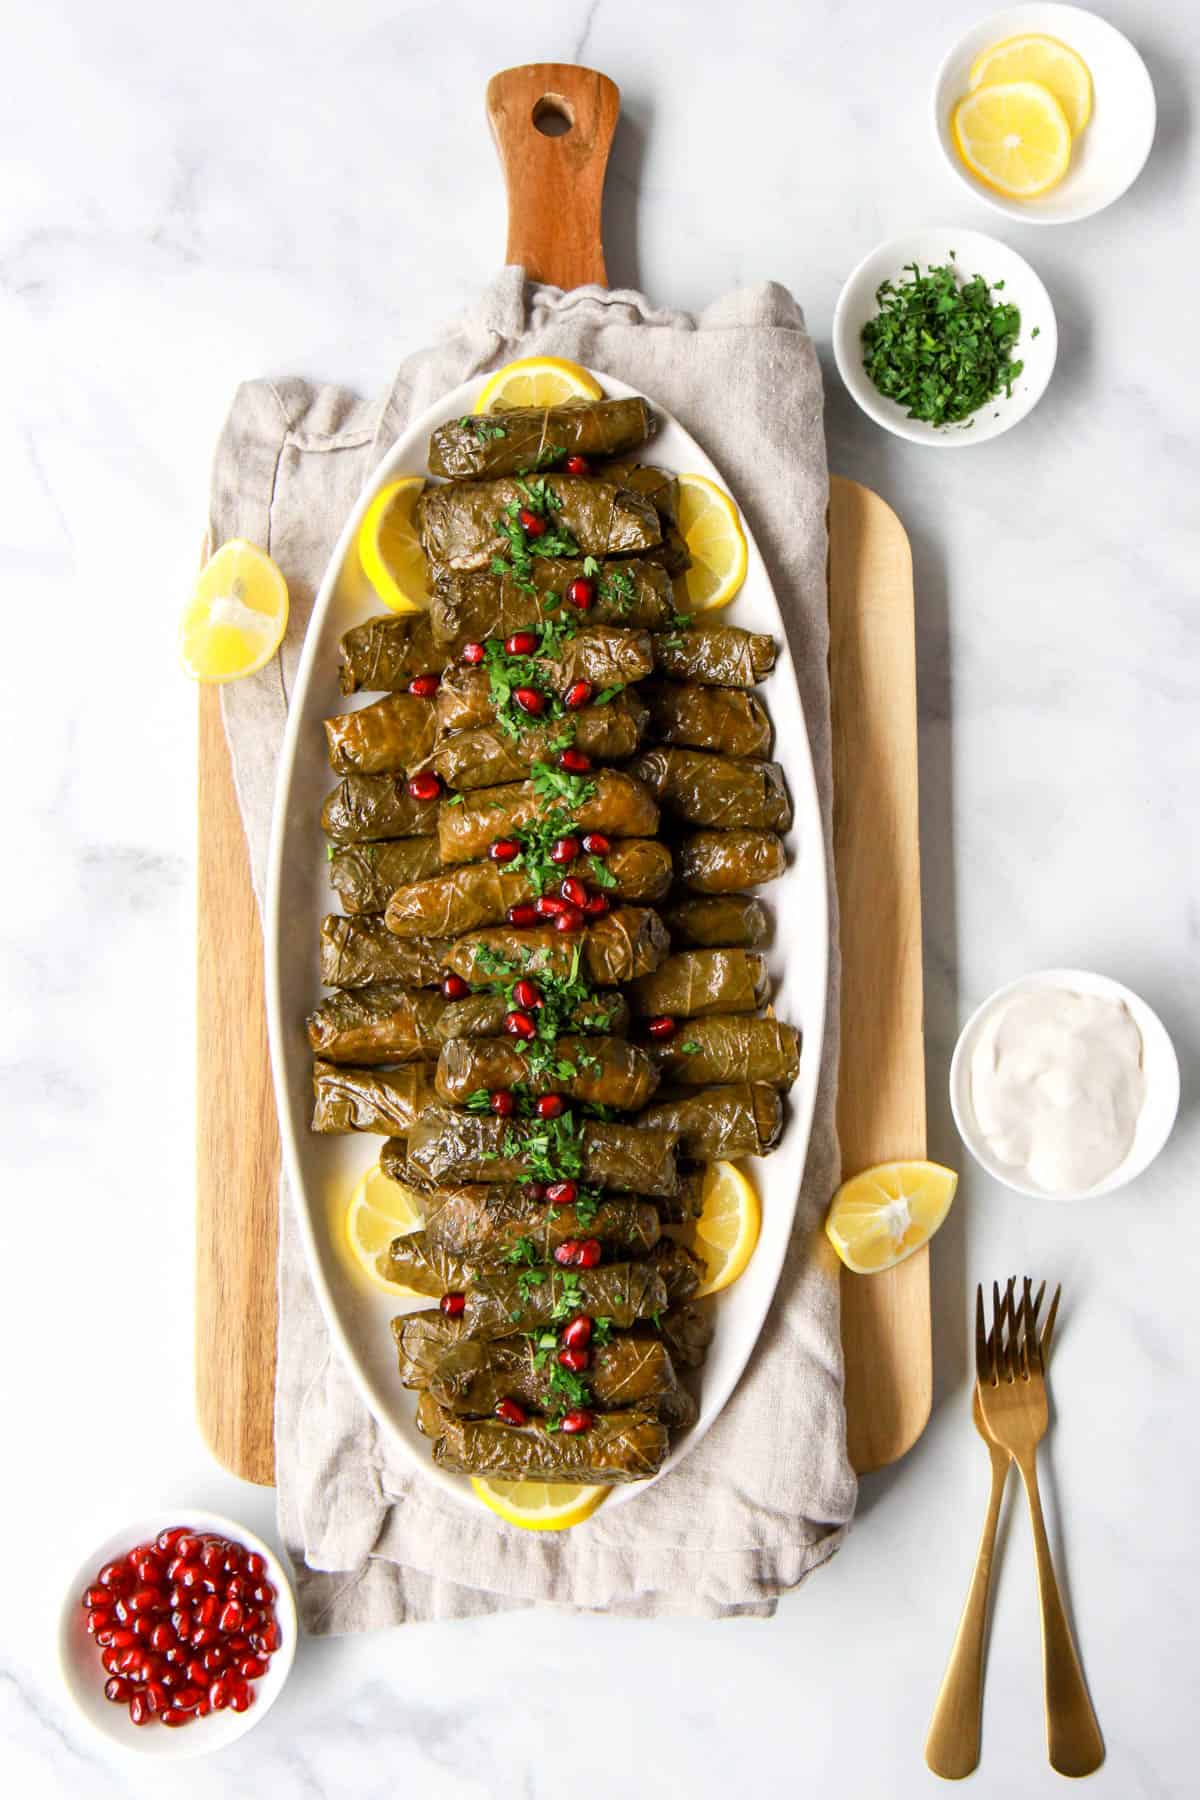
x: 177, y: 1634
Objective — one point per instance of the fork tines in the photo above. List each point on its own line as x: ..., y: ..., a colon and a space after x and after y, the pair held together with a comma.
x: 1014, y: 1346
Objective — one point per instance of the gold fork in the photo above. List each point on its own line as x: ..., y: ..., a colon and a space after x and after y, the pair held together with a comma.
x: 1012, y: 1398
x: 952, y: 1745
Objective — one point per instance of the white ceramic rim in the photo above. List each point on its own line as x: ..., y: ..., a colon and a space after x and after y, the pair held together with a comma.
x: 1159, y: 1062
x: 83, y: 1675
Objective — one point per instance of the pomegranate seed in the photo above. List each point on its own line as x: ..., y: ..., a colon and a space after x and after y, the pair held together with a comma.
x: 590, y: 1253
x: 596, y: 844
x: 519, y: 1025
x: 139, y: 1712
x: 573, y: 890
x: 234, y: 1562
x: 111, y: 1661
x: 197, y: 1673
x: 189, y: 1544
x: 167, y: 1540
x: 203, y: 1709
x: 562, y: 1193
x: 662, y: 1028
x: 174, y: 1678
x: 209, y: 1608
x: 213, y: 1559
x: 97, y: 1596
x: 214, y: 1660
x: 243, y: 1697
x: 190, y: 1696
x: 156, y: 1697
x: 524, y: 913
x: 425, y: 786
x: 548, y: 906
x: 190, y: 1576
x: 452, y: 1305
x: 581, y: 592
x: 232, y: 1618
x: 154, y: 1667
x: 424, y: 686
x: 256, y: 1565
x: 147, y: 1599
x: 455, y: 988
x: 550, y: 1106
x: 504, y: 850
x: 576, y: 465
x: 236, y: 1588
x: 569, y: 919
x: 177, y: 1715
x: 101, y: 1618
x: 566, y: 1252
x: 123, y: 1639
x: 527, y: 994
x: 564, y: 850
x: 577, y: 1332
x: 472, y: 653
x: 175, y: 1653
x: 531, y: 524
x: 251, y: 1667
x: 511, y: 1413
x: 596, y: 905
x: 237, y: 1646
x: 121, y: 1612
x: 575, y: 1360
x: 130, y: 1660
x: 113, y: 1575
x: 104, y: 1637
x: 220, y: 1694
x: 117, y: 1690
x: 521, y: 643
x: 501, y: 1102
x: 149, y: 1569
x: 574, y: 761
x: 204, y: 1635
x: 143, y: 1627
x: 530, y: 701
x: 182, y: 1621
x: 579, y: 1420
x: 578, y: 694
x: 270, y: 1637
x: 161, y: 1636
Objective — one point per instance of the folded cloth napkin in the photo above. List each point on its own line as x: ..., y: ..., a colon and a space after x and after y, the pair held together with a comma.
x: 768, y: 1495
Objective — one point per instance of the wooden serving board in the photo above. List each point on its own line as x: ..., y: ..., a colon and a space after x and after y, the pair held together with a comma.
x: 881, y: 1108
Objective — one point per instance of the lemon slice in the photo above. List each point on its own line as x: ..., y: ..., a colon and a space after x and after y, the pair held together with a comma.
x: 381, y: 1209
x: 1014, y: 136
x: 725, y: 1234
x: 389, y: 547
x: 539, y: 1505
x: 538, y: 381
x: 882, y: 1216
x: 1034, y: 57
x: 709, y: 522
x: 237, y: 615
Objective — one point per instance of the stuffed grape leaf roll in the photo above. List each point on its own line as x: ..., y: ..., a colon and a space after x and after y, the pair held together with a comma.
x: 482, y: 1015
x: 737, y: 1119
x: 487, y: 756
x: 604, y: 1070
x: 385, y: 1023
x: 726, y: 792
x: 490, y: 1227
x: 731, y: 1048
x: 718, y: 862
x: 523, y: 439
x: 392, y: 736
x: 687, y: 1332
x: 717, y: 920
x: 708, y: 718
x: 633, y: 1369
x: 692, y: 983
x: 365, y: 808
x: 621, y: 1446
x: 474, y: 894
x: 365, y: 876
x: 357, y: 952
x: 714, y: 655
x: 614, y: 804
x: 605, y: 657
x: 625, y: 943
x: 444, y: 1147
x: 500, y: 1302
x: 386, y: 653
x: 383, y: 1100
x: 466, y: 526
x: 468, y: 608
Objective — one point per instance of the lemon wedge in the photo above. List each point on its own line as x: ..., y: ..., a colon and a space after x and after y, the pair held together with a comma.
x: 881, y: 1217
x: 709, y: 524
x: 389, y: 547
x: 381, y: 1209
x: 1035, y: 57
x: 537, y: 381
x: 726, y: 1233
x: 1014, y: 137
x: 539, y: 1505
x: 237, y: 614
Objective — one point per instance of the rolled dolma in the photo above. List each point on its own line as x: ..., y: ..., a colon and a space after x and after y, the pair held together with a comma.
x: 423, y: 1338
x: 708, y: 718
x: 521, y: 439
x: 604, y: 1070
x: 474, y: 894
x: 365, y: 876
x: 625, y: 943
x: 717, y: 862
x: 727, y: 792
x: 357, y: 952
x: 601, y: 654
x: 482, y: 1015
x: 713, y: 921
x: 617, y: 805
x: 714, y: 655
x: 632, y: 1369
x: 390, y: 737
x: 731, y: 1048
x: 383, y: 1100
x: 445, y: 1147
x: 657, y: 485
x: 621, y: 1446
x: 462, y: 526
x: 488, y: 756
x: 687, y: 1202
x: 687, y: 1332
x: 695, y: 982
x: 385, y: 1023
x: 492, y: 1226
x: 680, y: 1271
x: 738, y: 1119
x: 365, y: 808
x: 386, y: 653
x: 469, y: 608
x: 500, y: 1302
x: 417, y: 1263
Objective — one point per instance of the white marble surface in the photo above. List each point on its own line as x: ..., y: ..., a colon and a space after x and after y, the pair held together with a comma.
x: 190, y: 198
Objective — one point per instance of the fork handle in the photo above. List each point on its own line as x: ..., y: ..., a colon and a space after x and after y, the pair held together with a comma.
x: 952, y: 1746
x: 1073, y: 1740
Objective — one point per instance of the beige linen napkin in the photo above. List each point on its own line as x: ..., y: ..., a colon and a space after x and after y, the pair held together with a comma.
x: 767, y: 1496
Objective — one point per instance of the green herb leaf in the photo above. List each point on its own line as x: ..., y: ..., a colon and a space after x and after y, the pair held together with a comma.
x: 939, y: 347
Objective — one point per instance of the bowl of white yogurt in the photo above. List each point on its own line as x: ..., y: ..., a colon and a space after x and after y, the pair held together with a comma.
x: 1064, y: 1085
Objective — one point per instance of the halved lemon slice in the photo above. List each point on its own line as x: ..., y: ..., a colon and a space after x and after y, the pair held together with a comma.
x: 389, y: 547
x: 709, y: 522
x: 725, y: 1234
x: 237, y: 615
x: 537, y: 381
x: 1035, y: 57
x: 1014, y: 136
x: 882, y: 1216
x: 539, y: 1505
x: 381, y: 1209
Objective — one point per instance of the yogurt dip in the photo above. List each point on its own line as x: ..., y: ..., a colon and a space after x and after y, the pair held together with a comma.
x: 1056, y: 1085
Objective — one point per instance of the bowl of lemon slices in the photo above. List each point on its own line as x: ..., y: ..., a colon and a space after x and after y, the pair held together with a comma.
x: 1046, y: 113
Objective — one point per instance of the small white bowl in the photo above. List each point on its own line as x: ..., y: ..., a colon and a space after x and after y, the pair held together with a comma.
x: 1112, y: 148
x: 1159, y: 1065
x: 84, y: 1676
x: 974, y: 254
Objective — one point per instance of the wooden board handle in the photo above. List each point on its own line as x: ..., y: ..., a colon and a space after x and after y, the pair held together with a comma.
x: 553, y: 124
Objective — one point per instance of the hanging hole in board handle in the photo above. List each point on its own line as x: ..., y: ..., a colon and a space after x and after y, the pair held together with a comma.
x: 553, y: 116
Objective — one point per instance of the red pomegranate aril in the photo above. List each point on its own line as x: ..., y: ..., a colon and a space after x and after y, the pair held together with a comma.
x: 111, y: 1660
x: 113, y: 1575
x: 212, y: 1560
x: 521, y: 643
x: 167, y: 1540
x: 576, y: 465
x: 579, y: 1420
x: 139, y: 1710
x: 590, y: 1252
x: 220, y: 1694
x: 573, y: 890
x: 182, y: 1621
x: 178, y: 1715
x: 175, y: 1653
x: 256, y: 1565
x: 596, y: 844
x: 243, y: 1697
x: 232, y: 1617
x: 237, y: 1646
x: 574, y: 761
x: 97, y: 1596
x: 452, y: 1305
x: 269, y: 1638
x: 531, y: 524
x: 236, y: 1588
x: 425, y: 786
x: 117, y: 1689
x: 149, y: 1570
x: 190, y: 1544
x: 123, y: 1638
x: 472, y: 653
x: 251, y: 1667
x: 215, y: 1660
x: 564, y: 850
x: 424, y: 686
x: 455, y: 988
x: 101, y: 1618
x: 581, y: 592
x: 147, y: 1599
x: 524, y: 913
x: 577, y: 1332
x: 530, y: 701
x: 520, y: 1025
x: 190, y: 1576
x: 550, y: 1106
x: 575, y: 1360
x: 209, y: 1608
x: 156, y: 1696
x: 121, y: 1612
x: 143, y: 1626
x: 566, y: 1252
x: 511, y: 1413
x: 662, y: 1028
x: 562, y: 1193
x: 189, y: 1696
x: 569, y: 919
x: 235, y: 1562
x: 504, y: 850
x: 197, y: 1673
x: 548, y: 906
x: 527, y: 994
x: 130, y: 1660
x: 204, y: 1635
x: 161, y: 1636
x: 596, y: 905
x: 577, y: 695
x: 502, y: 1103
x: 104, y: 1637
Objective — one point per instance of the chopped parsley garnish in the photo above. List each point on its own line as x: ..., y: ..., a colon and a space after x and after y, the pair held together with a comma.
x: 941, y: 347
x: 602, y: 875
x: 551, y: 783
x: 690, y: 1048
x: 601, y: 1332
x: 485, y: 429
x: 524, y: 1253
x: 536, y: 496
x: 587, y: 1205
x: 567, y: 1294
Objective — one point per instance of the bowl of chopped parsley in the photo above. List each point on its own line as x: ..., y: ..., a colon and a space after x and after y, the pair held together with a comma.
x: 945, y: 337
